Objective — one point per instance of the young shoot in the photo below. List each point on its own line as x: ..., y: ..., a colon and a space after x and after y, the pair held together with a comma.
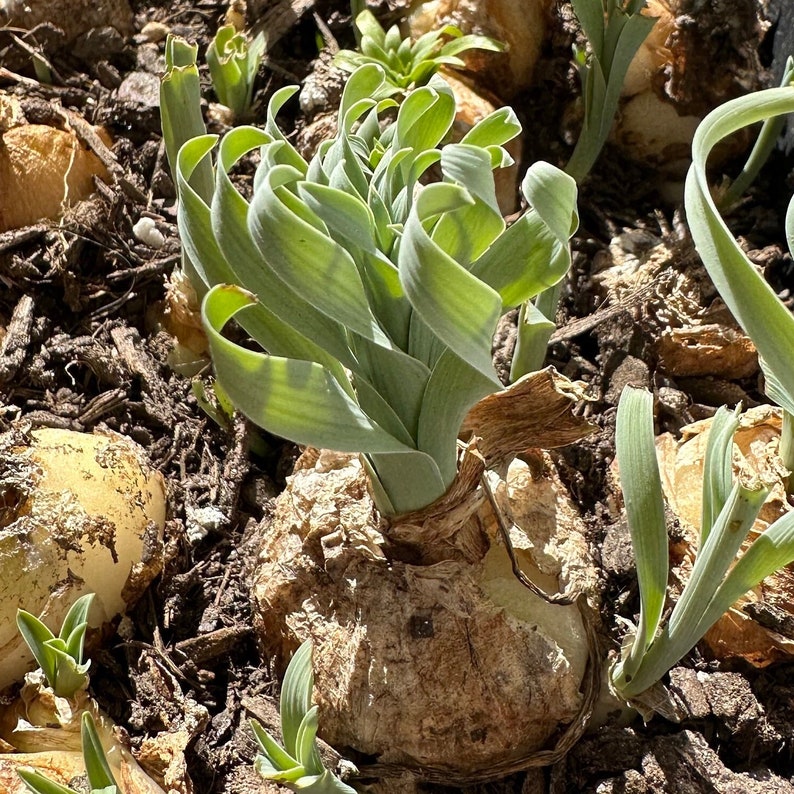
x: 233, y: 61
x: 718, y: 580
x: 61, y: 657
x: 764, y: 144
x: 100, y: 778
x: 407, y: 63
x: 180, y: 107
x: 297, y: 764
x: 373, y: 297
x: 181, y: 120
x: 615, y: 31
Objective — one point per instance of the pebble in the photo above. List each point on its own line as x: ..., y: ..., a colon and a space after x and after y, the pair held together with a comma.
x: 146, y: 231
x: 154, y: 32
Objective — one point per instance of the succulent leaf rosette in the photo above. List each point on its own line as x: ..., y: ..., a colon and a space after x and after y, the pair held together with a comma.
x: 373, y: 295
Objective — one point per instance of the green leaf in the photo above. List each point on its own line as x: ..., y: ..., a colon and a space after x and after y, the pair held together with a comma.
x: 614, y: 40
x: 534, y: 253
x: 772, y: 550
x: 309, y: 261
x: 751, y: 300
x: 343, y: 162
x: 496, y: 129
x: 424, y: 47
x: 544, y: 231
x: 296, y: 695
x: 233, y: 63
x: 180, y: 107
x: 195, y: 226
x: 552, y: 194
x: 69, y: 675
x: 300, y: 767
x: 348, y: 218
x: 76, y: 620
x: 591, y: 17
x: 696, y: 610
x: 287, y: 777
x: 36, y: 636
x: 718, y: 468
x: 366, y: 85
x: 288, y: 154
x: 764, y: 144
x: 407, y: 481
x: 299, y: 400
x: 468, y: 231
x: 74, y: 643
x: 454, y: 387
x: 459, y: 308
x: 715, y: 557
x: 368, y: 25
x: 386, y: 297
x: 285, y: 324
x: 39, y: 784
x: 278, y: 758
x: 471, y: 42
x: 392, y: 40
x: 226, y: 62
x: 425, y: 117
x: 326, y: 783
x: 399, y: 381
x: 96, y: 763
x: 306, y: 743
x: 775, y: 389
x: 532, y: 338
x: 642, y: 493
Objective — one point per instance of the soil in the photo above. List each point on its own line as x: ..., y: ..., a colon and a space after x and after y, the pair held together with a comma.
x: 82, y: 350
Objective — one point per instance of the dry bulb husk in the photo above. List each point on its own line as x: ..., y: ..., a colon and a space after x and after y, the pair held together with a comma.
x: 520, y: 24
x: 82, y: 513
x: 708, y: 349
x: 665, y: 92
x: 180, y: 315
x: 43, y: 170
x: 428, y: 655
x: 763, y: 640
x: 42, y: 731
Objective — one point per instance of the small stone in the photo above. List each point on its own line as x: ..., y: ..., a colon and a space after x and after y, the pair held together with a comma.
x: 154, y: 32
x: 617, y: 555
x: 200, y: 521
x: 686, y: 687
x: 673, y: 400
x: 146, y: 231
x: 140, y: 88
x: 631, y: 371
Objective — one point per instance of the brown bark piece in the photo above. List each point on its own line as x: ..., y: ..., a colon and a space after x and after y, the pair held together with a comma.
x: 74, y: 17
x: 708, y: 350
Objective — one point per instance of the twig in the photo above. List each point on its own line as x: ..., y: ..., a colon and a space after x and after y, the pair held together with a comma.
x: 328, y: 37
